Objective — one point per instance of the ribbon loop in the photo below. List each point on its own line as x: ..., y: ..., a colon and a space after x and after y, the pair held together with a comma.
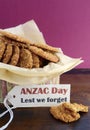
x: 9, y: 109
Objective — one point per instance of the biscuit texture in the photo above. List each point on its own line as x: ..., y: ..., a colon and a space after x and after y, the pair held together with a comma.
x: 18, y: 51
x: 36, y: 61
x: 46, y: 47
x: 7, y: 54
x: 68, y: 112
x: 44, y: 54
x: 14, y: 36
x: 2, y: 49
x: 24, y: 40
x: 15, y: 56
x: 26, y: 60
x: 76, y: 107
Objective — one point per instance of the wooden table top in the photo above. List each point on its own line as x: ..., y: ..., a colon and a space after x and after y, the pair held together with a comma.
x: 41, y: 119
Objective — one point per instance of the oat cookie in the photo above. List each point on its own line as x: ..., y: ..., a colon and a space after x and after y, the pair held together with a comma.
x: 24, y: 40
x: 2, y: 49
x: 7, y: 54
x: 76, y: 107
x: 44, y: 54
x: 15, y: 56
x: 80, y: 107
x: 68, y: 112
x: 14, y: 36
x: 59, y: 112
x: 46, y: 47
x: 26, y: 60
x: 21, y: 52
x: 2, y: 39
x: 36, y: 61
x: 48, y: 55
x: 5, y: 40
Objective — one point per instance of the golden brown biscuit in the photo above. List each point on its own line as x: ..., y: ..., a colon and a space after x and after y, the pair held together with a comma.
x: 15, y: 56
x: 5, y: 40
x: 76, y: 107
x: 68, y: 112
x: 80, y: 107
x: 2, y: 49
x: 44, y: 54
x: 59, y: 112
x: 26, y: 60
x: 2, y: 39
x: 24, y: 40
x: 40, y: 57
x: 46, y: 47
x: 14, y: 36
x: 7, y: 54
x: 36, y: 61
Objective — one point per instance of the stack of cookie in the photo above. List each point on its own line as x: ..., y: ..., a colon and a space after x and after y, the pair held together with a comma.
x: 18, y: 51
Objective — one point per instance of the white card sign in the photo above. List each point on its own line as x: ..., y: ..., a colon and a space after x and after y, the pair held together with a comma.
x: 39, y: 95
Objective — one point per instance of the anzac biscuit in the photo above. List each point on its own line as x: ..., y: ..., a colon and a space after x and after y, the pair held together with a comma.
x: 36, y: 61
x: 14, y: 36
x: 68, y: 112
x: 2, y: 49
x: 7, y: 54
x: 5, y: 40
x: 59, y: 112
x: 41, y: 61
x: 2, y: 39
x: 46, y: 47
x: 76, y: 107
x: 44, y: 54
x: 26, y: 60
x: 15, y: 56
x: 24, y: 40
x: 80, y: 107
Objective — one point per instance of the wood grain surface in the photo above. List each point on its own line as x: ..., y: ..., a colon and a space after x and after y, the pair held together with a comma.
x: 41, y: 119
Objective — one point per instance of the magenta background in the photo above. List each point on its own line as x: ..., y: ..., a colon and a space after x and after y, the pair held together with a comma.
x: 64, y: 23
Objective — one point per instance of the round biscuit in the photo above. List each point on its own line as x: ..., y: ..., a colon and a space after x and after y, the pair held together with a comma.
x: 14, y: 36
x: 24, y: 40
x: 7, y: 54
x: 2, y: 49
x: 15, y: 56
x: 36, y: 61
x: 45, y: 54
x: 25, y: 59
x: 59, y: 112
x: 46, y: 47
